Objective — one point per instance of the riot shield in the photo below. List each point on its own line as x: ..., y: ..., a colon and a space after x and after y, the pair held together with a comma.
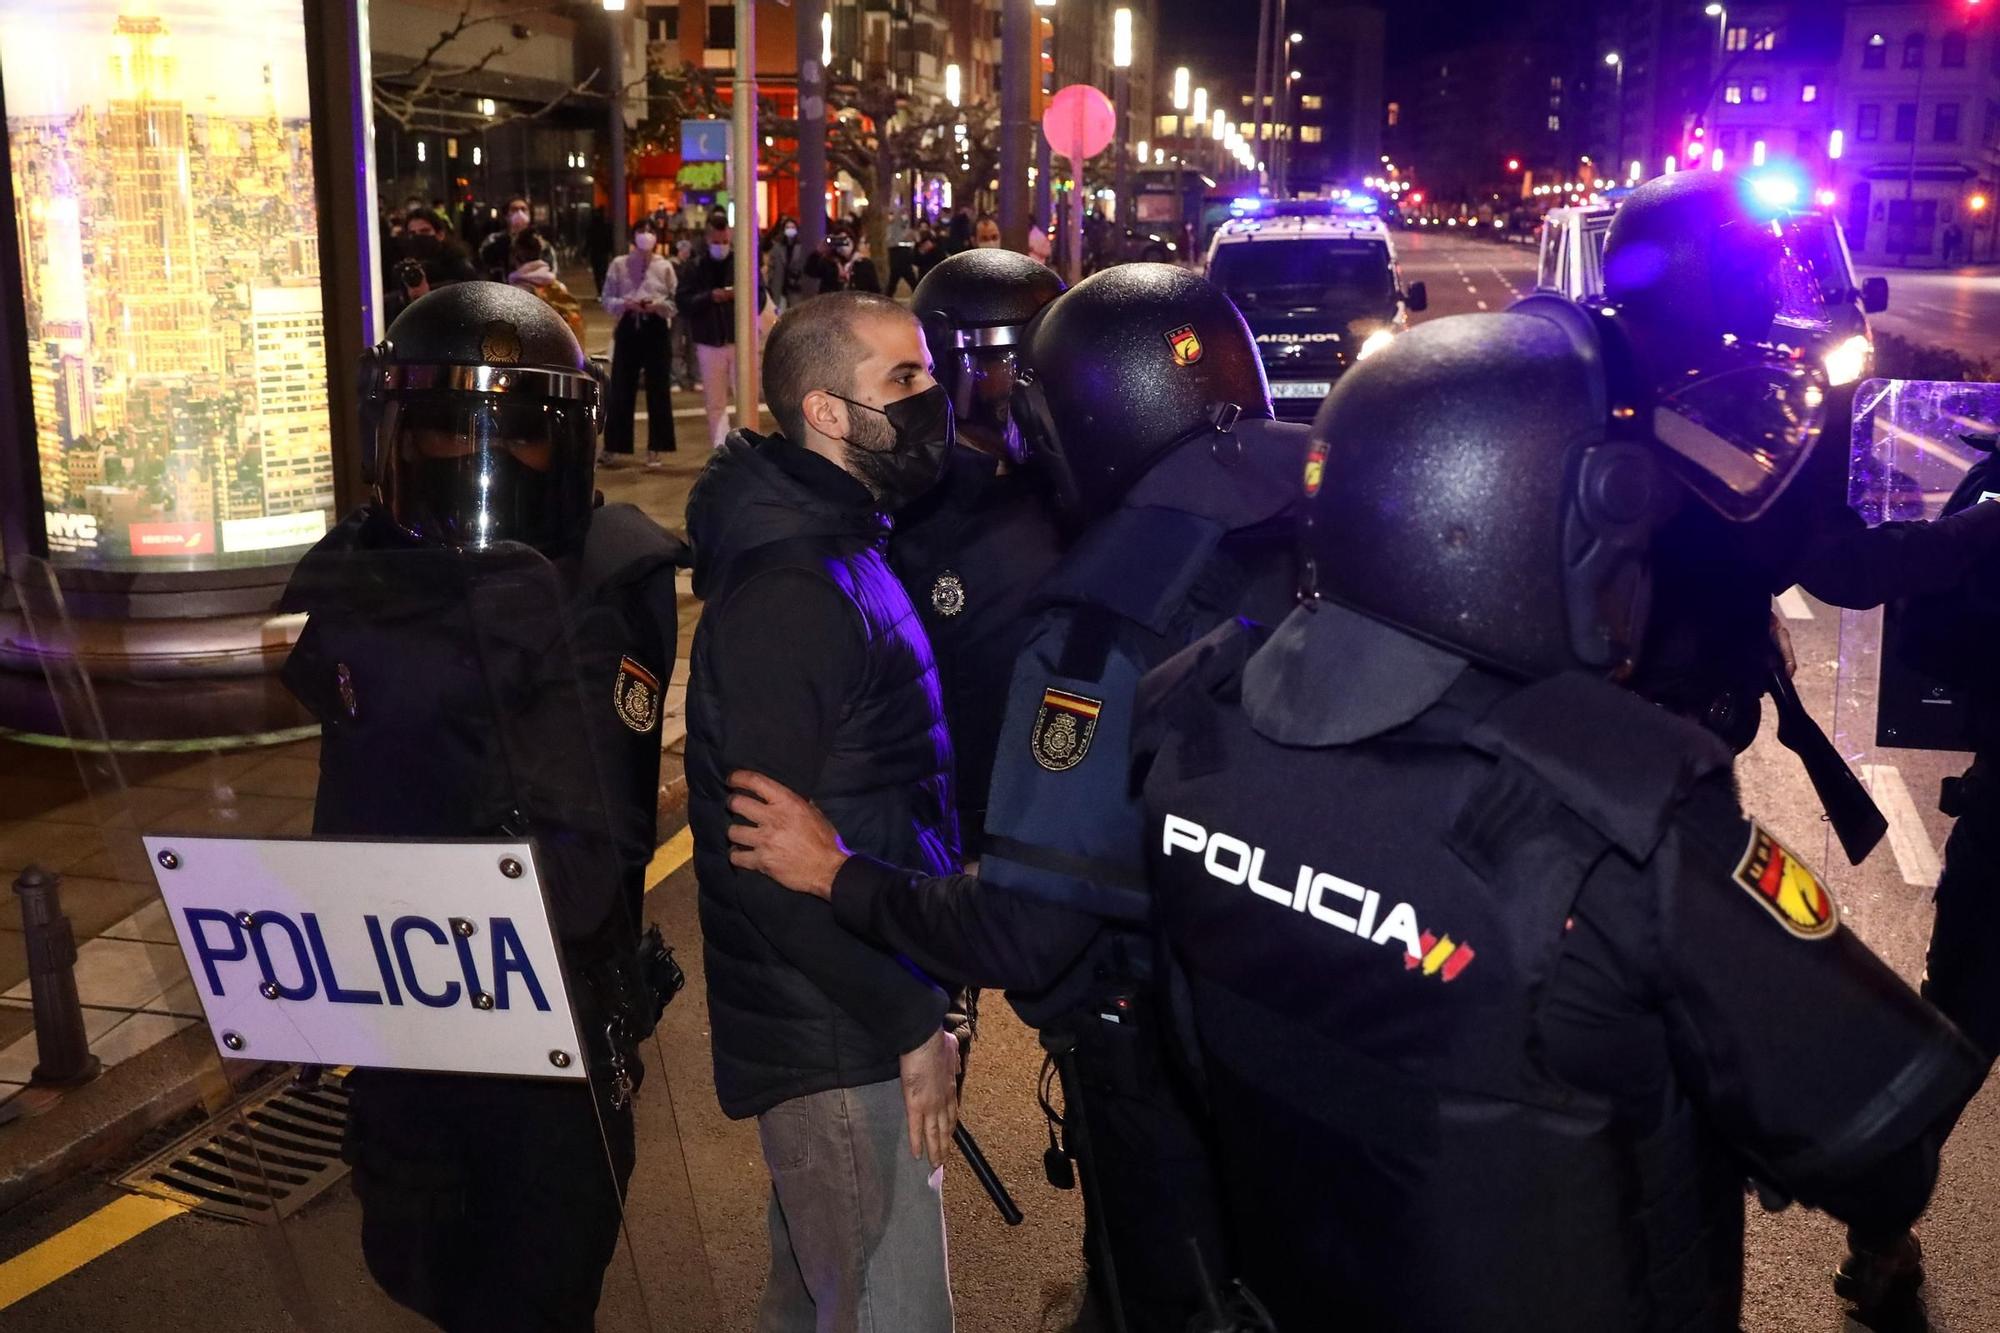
x: 1902, y: 728
x: 363, y: 1141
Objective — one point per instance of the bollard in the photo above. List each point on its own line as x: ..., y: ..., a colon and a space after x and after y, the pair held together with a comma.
x: 62, y: 1047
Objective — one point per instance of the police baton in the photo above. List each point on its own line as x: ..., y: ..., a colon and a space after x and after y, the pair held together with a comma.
x: 968, y: 1148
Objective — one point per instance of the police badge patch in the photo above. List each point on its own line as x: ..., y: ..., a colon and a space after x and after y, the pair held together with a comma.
x: 1185, y: 343
x: 1063, y: 729
x: 948, y: 594
x: 636, y: 696
x: 1786, y: 889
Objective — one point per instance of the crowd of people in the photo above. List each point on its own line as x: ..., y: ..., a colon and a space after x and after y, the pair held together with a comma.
x: 671, y: 296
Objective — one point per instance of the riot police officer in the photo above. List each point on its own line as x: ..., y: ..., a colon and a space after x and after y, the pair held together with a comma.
x: 1700, y: 277
x: 1955, y: 636
x: 1497, y: 993
x: 1147, y: 403
x: 485, y: 651
x: 972, y: 551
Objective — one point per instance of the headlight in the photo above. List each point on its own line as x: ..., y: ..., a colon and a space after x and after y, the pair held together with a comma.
x: 1847, y: 362
x: 1374, y: 343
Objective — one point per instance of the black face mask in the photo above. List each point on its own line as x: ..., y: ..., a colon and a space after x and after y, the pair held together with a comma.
x: 902, y: 467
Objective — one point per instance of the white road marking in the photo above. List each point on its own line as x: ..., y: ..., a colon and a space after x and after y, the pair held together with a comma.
x: 1793, y: 603
x: 1916, y: 860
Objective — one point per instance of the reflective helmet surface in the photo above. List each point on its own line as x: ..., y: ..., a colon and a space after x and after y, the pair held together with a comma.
x: 1723, y: 311
x: 1463, y: 485
x: 1128, y: 364
x: 974, y: 307
x: 485, y: 418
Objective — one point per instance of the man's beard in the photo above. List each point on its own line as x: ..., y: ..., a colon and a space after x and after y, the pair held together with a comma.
x: 871, y: 456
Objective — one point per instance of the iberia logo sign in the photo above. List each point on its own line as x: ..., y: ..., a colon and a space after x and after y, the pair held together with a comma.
x: 172, y: 539
x: 1787, y: 890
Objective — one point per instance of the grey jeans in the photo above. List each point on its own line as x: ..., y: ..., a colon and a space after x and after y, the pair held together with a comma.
x: 857, y: 1223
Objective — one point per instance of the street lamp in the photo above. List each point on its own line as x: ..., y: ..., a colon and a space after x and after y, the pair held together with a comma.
x: 1297, y: 39
x: 1200, y: 109
x: 825, y: 39
x: 1617, y: 63
x: 1121, y: 96
x: 953, y: 84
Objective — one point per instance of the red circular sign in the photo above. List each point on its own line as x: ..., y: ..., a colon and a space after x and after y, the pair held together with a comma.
x: 1079, y: 122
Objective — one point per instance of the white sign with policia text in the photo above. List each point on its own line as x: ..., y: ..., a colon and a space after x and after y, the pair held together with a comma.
x: 430, y: 956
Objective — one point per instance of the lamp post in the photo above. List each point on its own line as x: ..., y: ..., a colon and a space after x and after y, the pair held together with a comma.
x: 619, y: 206
x: 743, y: 191
x: 815, y: 53
x: 1617, y: 63
x: 1017, y: 68
x: 1121, y: 98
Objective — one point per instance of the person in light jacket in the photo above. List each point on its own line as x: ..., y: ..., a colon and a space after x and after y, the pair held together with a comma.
x: 639, y: 294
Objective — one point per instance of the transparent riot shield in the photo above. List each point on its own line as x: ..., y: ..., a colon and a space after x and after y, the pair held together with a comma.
x: 1902, y: 729
x: 264, y: 1189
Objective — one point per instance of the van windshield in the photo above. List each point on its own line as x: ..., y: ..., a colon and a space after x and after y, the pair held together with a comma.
x: 1305, y: 273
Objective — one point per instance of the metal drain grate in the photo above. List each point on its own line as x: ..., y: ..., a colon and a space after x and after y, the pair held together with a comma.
x: 257, y: 1162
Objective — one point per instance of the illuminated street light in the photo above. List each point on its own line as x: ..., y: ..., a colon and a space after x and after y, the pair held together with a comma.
x: 952, y: 85
x: 1836, y: 144
x: 1200, y: 108
x: 1218, y: 128
x: 1181, y: 88
x: 1296, y: 75
x: 1297, y: 38
x: 1637, y: 170
x: 1144, y: 150
x: 1121, y: 39
x: 1977, y: 203
x: 825, y: 39
x: 1613, y: 59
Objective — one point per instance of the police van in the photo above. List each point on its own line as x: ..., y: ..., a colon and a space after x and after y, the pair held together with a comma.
x: 1320, y: 288
x: 1572, y: 264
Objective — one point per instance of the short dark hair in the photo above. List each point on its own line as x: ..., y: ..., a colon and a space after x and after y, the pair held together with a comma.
x: 514, y: 199
x: 718, y: 220
x: 813, y: 347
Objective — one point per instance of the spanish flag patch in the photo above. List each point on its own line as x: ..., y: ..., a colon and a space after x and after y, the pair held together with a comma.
x: 1063, y: 728
x: 1786, y: 889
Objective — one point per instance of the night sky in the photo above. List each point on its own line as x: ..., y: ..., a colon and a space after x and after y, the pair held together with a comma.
x: 1212, y: 35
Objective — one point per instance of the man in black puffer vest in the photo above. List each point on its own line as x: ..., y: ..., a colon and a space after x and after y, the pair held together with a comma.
x: 811, y: 665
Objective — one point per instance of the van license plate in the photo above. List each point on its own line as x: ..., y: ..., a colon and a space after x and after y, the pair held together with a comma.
x: 1301, y: 388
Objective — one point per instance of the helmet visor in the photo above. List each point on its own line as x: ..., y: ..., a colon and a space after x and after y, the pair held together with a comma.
x: 1738, y: 435
x: 470, y: 471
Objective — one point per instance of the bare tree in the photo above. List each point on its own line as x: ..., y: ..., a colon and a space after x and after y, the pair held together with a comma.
x: 430, y: 94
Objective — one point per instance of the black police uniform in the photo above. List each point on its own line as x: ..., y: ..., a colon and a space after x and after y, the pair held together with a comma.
x: 448, y: 687
x: 971, y: 553
x: 1955, y: 636
x: 1058, y: 913
x: 1498, y: 995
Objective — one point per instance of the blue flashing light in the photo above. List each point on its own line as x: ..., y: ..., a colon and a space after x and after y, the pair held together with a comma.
x: 1249, y: 203
x: 1776, y: 189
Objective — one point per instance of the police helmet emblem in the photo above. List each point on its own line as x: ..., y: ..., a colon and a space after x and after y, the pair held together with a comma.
x: 1063, y: 728
x: 1783, y: 886
x: 500, y: 343
x: 1185, y: 343
x: 636, y: 696
x: 948, y: 594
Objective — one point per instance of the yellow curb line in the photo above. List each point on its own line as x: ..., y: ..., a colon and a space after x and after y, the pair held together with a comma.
x: 74, y: 1246
x: 674, y: 853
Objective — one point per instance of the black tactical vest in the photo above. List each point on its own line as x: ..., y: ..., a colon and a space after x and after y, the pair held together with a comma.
x: 496, y: 695
x: 1366, y: 932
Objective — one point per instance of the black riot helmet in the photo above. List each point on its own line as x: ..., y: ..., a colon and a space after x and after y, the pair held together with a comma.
x: 1124, y: 367
x: 974, y: 307
x: 1480, y: 484
x: 1722, y: 311
x: 485, y: 418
